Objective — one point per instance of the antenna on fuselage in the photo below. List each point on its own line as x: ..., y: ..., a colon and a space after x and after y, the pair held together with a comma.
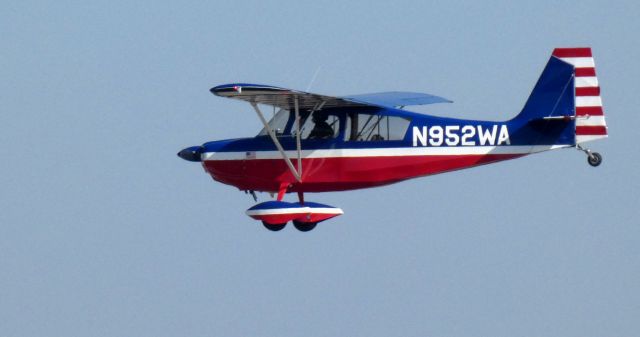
x: 253, y: 194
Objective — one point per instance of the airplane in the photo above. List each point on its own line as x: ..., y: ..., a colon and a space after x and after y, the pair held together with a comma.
x: 320, y: 143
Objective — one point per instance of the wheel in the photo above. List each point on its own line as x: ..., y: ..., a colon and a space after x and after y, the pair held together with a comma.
x: 594, y: 159
x: 304, y: 226
x: 274, y: 227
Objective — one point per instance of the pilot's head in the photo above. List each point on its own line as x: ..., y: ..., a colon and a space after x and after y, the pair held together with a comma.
x: 319, y: 117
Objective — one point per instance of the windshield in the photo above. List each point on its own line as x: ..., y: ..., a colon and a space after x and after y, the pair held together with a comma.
x: 278, y: 123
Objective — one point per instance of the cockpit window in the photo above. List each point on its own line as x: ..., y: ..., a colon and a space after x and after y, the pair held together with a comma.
x: 318, y: 126
x: 365, y: 127
x: 278, y: 123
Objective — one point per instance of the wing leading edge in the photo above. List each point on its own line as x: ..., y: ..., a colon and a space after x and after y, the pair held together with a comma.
x: 285, y: 98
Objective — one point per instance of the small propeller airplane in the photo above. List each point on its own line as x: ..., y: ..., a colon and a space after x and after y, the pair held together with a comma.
x: 318, y: 143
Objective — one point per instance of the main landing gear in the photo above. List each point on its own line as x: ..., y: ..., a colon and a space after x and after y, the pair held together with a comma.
x: 299, y: 225
x: 304, y: 226
x: 274, y: 227
x: 593, y: 158
x: 275, y: 214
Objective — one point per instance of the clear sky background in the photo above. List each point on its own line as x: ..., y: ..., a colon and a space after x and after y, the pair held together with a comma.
x: 104, y: 231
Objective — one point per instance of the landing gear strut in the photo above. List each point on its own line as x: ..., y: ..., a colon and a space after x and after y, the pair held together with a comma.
x: 593, y: 158
x: 303, y: 226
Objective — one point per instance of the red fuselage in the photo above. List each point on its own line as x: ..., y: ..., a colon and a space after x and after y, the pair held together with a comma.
x: 325, y: 172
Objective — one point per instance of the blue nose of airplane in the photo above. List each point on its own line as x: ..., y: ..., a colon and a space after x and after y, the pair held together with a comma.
x: 191, y: 153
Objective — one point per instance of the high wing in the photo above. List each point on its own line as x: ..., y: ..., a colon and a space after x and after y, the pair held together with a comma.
x: 397, y: 98
x: 280, y: 97
x: 285, y: 98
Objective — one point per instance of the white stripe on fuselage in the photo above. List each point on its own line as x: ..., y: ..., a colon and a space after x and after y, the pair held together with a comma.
x: 383, y: 152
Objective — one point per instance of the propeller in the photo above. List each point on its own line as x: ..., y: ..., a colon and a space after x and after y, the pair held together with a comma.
x: 191, y: 153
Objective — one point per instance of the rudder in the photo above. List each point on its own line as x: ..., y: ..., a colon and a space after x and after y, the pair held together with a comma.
x: 589, y: 115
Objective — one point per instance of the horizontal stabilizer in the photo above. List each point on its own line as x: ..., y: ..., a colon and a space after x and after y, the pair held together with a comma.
x: 566, y: 118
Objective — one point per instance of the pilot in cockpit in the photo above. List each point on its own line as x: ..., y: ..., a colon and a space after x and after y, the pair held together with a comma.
x: 322, y: 129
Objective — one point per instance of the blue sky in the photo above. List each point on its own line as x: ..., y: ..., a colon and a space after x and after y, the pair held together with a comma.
x: 105, y: 232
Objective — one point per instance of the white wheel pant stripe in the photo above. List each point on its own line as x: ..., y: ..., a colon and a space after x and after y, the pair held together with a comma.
x: 302, y: 210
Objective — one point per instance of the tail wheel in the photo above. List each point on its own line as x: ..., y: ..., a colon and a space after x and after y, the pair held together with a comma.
x: 274, y: 227
x: 304, y: 226
x: 594, y: 159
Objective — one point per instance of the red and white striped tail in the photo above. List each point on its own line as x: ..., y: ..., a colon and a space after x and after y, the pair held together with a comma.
x: 590, y: 123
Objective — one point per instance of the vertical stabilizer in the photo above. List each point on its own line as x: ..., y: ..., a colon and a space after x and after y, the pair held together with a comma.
x: 590, y: 122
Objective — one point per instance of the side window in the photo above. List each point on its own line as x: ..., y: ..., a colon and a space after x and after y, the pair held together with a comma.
x: 364, y: 127
x: 278, y: 123
x: 319, y: 126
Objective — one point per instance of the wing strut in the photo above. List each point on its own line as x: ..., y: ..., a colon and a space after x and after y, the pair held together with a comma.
x: 298, y: 146
x: 277, y: 142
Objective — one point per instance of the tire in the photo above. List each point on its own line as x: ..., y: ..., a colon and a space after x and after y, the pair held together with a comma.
x: 274, y: 227
x: 304, y: 226
x: 595, y: 159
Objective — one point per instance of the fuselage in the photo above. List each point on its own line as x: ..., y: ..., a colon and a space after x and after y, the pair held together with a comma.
x: 373, y: 147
